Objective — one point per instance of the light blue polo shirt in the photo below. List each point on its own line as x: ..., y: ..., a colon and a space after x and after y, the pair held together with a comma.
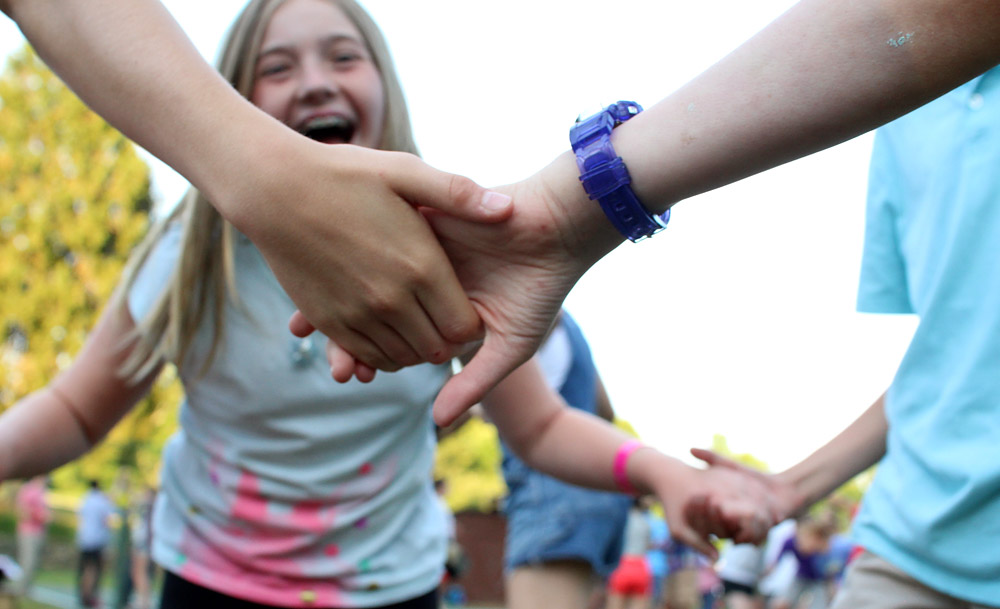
x: 932, y: 247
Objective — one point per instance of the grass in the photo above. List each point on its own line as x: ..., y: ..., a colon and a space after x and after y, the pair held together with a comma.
x: 60, y: 578
x: 27, y: 603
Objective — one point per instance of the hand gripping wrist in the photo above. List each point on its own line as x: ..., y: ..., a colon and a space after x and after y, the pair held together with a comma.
x: 605, y: 177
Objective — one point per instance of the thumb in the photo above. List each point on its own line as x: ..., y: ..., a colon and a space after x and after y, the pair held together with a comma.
x: 715, y: 459
x: 452, y: 194
x: 484, y: 371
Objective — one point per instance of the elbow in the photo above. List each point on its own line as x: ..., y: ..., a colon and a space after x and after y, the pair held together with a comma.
x: 525, y: 442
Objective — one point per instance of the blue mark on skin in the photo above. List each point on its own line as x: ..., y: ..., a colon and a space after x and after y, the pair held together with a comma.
x: 900, y: 39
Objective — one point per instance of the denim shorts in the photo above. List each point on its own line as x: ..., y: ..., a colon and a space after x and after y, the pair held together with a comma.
x: 549, y: 520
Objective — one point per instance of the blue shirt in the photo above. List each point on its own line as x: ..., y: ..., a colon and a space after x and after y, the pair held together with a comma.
x: 932, y: 247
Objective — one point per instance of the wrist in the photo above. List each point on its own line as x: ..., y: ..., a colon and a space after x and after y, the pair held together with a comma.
x: 794, y: 494
x: 649, y: 471
x: 259, y: 203
x: 620, y: 466
x: 584, y: 229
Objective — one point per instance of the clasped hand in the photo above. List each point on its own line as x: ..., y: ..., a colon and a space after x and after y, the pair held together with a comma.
x: 516, y: 274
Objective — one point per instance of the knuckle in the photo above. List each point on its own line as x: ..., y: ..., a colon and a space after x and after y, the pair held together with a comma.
x: 383, y: 301
x: 461, y: 188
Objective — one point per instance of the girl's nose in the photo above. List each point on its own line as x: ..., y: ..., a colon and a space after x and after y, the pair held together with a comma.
x: 317, y: 84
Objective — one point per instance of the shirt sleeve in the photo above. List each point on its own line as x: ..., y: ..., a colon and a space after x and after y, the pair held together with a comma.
x: 155, y: 273
x: 883, y: 285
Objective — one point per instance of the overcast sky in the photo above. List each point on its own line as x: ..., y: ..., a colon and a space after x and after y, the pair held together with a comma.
x: 739, y: 318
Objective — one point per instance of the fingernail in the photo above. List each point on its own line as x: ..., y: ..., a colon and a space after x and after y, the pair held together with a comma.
x: 494, y: 201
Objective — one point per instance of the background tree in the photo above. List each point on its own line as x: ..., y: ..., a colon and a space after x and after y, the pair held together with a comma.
x: 74, y: 200
x: 469, y: 459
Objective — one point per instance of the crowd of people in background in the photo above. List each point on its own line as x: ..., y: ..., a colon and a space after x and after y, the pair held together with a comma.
x: 799, y: 567
x: 115, y: 525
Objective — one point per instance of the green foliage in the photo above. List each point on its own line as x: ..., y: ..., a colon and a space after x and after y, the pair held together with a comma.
x: 74, y: 200
x: 721, y: 446
x: 625, y: 426
x: 469, y: 459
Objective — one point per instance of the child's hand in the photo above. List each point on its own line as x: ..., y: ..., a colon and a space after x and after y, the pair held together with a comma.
x: 716, y: 502
x: 516, y: 272
x: 780, y: 498
x: 352, y: 251
x: 343, y: 365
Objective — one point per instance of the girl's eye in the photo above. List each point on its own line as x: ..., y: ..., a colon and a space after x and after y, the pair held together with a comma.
x: 273, y: 69
x: 345, y: 57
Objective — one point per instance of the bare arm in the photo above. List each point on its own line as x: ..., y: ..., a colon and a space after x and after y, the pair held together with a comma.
x: 854, y: 450
x: 851, y: 452
x: 132, y: 64
x: 63, y: 420
x: 580, y: 448
x: 318, y: 213
x: 822, y: 73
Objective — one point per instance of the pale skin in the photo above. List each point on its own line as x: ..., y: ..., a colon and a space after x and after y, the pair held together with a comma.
x: 822, y: 73
x: 85, y: 401
x: 381, y: 288
x: 551, y: 585
x: 851, y: 452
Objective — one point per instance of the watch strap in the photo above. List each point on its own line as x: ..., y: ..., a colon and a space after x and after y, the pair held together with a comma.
x: 605, y: 177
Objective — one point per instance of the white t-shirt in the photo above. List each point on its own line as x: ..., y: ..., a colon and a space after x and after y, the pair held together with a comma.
x: 742, y: 564
x: 282, y: 486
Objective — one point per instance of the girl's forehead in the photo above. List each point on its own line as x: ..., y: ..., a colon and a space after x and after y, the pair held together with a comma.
x: 296, y: 20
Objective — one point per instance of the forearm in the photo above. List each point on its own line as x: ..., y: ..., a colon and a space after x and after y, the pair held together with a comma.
x: 566, y: 443
x: 822, y: 73
x: 38, y: 434
x: 133, y: 64
x: 851, y: 452
x: 79, y: 407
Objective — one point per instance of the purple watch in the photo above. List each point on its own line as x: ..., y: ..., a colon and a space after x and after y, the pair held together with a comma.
x: 605, y: 177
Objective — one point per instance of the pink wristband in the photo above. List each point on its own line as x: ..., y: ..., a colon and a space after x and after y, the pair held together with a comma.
x: 621, y: 463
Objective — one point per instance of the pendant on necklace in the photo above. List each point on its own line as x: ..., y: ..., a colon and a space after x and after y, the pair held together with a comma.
x: 302, y: 352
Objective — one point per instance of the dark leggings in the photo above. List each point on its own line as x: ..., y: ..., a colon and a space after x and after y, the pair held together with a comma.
x: 179, y: 593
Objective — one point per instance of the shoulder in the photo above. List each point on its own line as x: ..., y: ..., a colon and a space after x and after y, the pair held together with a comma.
x: 155, y: 271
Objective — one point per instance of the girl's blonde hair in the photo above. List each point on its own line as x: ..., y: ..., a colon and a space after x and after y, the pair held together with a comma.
x: 204, y: 278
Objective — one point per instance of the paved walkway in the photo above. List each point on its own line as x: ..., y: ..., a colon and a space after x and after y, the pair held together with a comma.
x: 54, y: 597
